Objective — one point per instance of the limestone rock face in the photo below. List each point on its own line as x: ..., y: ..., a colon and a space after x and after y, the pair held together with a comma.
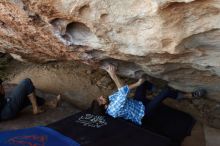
x: 174, y: 40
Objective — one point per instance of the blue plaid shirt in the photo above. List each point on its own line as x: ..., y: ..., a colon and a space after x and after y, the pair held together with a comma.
x: 120, y: 106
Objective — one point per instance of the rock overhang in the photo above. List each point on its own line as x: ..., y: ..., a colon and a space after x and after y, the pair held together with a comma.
x: 175, y: 40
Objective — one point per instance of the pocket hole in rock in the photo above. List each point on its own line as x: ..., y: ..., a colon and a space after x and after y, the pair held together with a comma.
x: 79, y: 34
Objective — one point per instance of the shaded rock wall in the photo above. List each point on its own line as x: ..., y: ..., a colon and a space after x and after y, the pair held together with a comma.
x: 175, y: 40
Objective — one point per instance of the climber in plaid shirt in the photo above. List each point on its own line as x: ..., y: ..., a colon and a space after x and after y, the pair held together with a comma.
x: 118, y: 105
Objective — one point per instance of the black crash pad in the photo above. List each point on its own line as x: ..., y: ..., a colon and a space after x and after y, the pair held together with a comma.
x: 167, y: 126
x: 170, y: 123
x: 91, y: 130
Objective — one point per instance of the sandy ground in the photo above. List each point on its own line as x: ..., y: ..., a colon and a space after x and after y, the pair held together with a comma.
x: 26, y: 119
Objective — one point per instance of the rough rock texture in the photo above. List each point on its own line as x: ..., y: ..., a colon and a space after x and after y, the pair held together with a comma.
x: 175, y: 40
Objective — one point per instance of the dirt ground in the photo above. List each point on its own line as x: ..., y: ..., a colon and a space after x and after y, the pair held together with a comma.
x: 26, y: 119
